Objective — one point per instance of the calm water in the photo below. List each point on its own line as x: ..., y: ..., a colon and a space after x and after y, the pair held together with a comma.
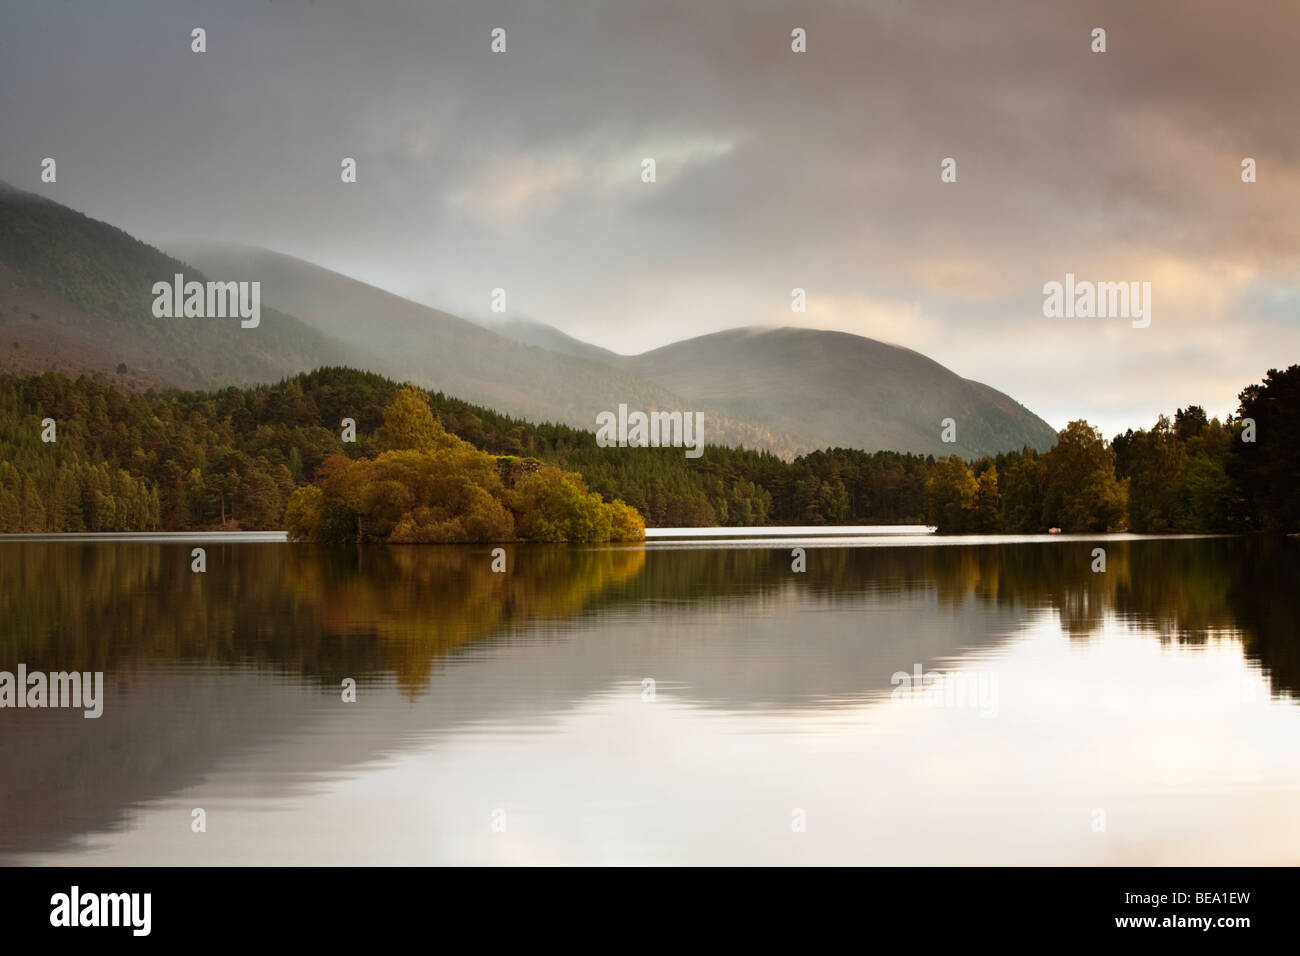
x: 1145, y: 715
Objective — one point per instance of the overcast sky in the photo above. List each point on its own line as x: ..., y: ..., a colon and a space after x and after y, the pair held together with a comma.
x: 775, y: 169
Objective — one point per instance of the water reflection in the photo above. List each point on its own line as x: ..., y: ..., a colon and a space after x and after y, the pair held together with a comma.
x: 223, y: 688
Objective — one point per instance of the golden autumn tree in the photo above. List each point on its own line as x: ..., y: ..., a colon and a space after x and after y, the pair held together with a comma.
x: 427, y: 486
x: 409, y: 425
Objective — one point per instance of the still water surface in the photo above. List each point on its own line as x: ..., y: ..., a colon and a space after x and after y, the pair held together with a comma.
x: 1145, y: 715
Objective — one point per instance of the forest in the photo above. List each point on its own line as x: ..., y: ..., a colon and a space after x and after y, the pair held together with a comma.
x: 237, y: 459
x: 429, y: 487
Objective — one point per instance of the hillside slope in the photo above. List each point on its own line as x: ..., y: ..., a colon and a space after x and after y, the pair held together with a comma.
x: 76, y: 296
x: 549, y: 337
x: 786, y: 390
x: 833, y: 389
x: 436, y: 349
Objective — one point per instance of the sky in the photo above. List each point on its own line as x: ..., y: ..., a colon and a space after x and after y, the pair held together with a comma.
x: 775, y: 170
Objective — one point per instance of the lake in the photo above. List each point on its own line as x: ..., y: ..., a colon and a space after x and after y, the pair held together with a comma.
x: 903, y: 700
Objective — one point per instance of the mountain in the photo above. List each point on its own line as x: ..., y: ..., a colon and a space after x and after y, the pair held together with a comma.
x: 826, y: 389
x: 787, y: 390
x: 549, y: 337
x: 437, y: 350
x: 835, y: 389
x: 76, y: 296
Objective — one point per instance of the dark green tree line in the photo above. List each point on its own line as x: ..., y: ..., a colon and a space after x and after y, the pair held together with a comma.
x: 232, y: 458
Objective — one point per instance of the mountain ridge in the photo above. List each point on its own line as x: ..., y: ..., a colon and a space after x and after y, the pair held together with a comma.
x: 782, y: 376
x: 793, y: 362
x: 437, y: 349
x: 75, y: 296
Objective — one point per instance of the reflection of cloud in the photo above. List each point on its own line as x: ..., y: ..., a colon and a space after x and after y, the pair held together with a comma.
x: 776, y: 678
x: 601, y: 776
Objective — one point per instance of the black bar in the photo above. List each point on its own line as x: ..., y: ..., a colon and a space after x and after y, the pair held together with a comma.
x: 324, y: 906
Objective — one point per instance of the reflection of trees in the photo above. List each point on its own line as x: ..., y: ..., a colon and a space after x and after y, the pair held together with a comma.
x: 413, y: 605
x: 315, y: 612
x: 321, y: 613
x: 1183, y: 589
x: 1263, y: 597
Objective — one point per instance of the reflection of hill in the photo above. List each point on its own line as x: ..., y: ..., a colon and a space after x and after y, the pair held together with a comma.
x: 314, y: 613
x: 182, y: 697
x: 319, y: 613
x: 1185, y: 589
x: 241, y: 666
x: 162, y: 730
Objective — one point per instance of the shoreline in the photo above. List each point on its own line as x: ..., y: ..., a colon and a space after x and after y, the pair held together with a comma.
x: 777, y: 536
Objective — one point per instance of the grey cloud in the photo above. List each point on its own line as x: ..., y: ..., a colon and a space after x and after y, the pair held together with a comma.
x: 819, y: 170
